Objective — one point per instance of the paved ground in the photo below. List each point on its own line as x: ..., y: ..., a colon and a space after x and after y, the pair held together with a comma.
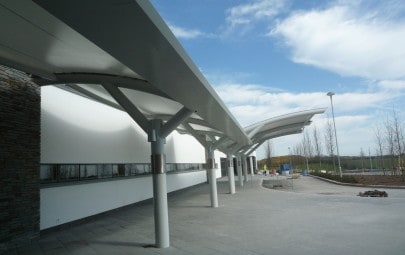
x: 312, y: 217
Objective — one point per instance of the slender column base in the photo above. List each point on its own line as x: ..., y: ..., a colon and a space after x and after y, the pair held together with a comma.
x: 239, y: 170
x: 161, y: 218
x: 212, y: 178
x: 231, y: 176
x: 162, y: 238
x: 244, y: 162
x: 252, y: 173
x: 213, y: 187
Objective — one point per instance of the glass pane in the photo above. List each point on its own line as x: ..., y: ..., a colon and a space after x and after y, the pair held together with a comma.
x: 139, y: 168
x: 114, y: 170
x: 48, y: 173
x: 68, y: 172
x: 122, y: 170
x: 128, y: 170
x: 104, y: 170
x: 147, y: 168
x: 88, y: 171
x: 170, y: 167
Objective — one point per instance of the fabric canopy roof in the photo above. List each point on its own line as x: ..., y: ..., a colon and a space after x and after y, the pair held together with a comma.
x: 100, y: 47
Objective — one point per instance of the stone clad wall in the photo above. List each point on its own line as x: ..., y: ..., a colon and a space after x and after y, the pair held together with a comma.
x: 19, y: 160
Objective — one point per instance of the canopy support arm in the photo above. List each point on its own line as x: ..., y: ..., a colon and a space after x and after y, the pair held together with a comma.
x: 191, y: 130
x: 175, y: 121
x: 128, y: 106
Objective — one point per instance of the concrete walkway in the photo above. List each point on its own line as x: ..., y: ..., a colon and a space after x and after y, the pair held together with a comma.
x: 313, y: 217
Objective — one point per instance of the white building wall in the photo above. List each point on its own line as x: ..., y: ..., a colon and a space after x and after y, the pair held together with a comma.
x: 77, y: 130
x: 64, y: 204
x: 184, y: 149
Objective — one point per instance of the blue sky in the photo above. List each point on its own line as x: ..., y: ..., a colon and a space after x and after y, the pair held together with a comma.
x: 271, y: 57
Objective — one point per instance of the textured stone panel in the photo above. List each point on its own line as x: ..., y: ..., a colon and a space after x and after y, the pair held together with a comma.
x: 19, y: 159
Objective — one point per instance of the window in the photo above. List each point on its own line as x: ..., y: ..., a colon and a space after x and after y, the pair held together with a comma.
x: 88, y: 171
x: 105, y: 170
x: 68, y: 172
x: 51, y: 173
x: 48, y: 173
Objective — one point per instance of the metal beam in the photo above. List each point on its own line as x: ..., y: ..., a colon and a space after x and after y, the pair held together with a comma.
x: 194, y: 133
x: 265, y: 133
x: 218, y: 142
x: 288, y: 132
x: 85, y: 93
x: 97, y: 78
x: 175, y: 121
x: 129, y: 107
x: 28, y: 68
x: 254, y: 148
x: 195, y: 121
x: 254, y: 132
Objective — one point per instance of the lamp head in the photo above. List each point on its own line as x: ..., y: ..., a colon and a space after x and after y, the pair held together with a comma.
x: 330, y: 94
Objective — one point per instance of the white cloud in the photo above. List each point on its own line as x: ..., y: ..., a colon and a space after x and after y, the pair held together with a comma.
x: 392, y: 85
x: 244, y: 16
x: 351, y: 38
x: 251, y: 103
x: 186, y: 33
x: 356, y: 113
x: 355, y: 101
x: 347, y: 39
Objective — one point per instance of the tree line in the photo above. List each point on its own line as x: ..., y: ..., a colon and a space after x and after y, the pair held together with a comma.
x: 317, y: 149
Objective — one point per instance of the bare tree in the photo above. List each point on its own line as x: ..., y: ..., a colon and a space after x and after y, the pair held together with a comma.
x: 269, y: 152
x: 297, y: 152
x: 317, y: 145
x: 309, y: 144
x: 330, y: 141
x: 307, y: 147
x: 380, y: 146
x: 390, y: 141
x: 377, y: 161
x: 362, y: 158
x: 398, y: 134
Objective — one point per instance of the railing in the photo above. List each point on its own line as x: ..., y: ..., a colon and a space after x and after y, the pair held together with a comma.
x: 55, y: 173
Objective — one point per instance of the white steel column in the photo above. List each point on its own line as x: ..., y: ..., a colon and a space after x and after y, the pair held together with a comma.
x: 251, y: 167
x: 239, y: 170
x: 157, y: 133
x: 231, y: 176
x: 256, y: 166
x: 212, y: 176
x: 244, y: 161
x: 159, y: 186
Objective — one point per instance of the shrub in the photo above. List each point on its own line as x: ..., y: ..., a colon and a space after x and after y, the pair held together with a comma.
x: 345, y: 178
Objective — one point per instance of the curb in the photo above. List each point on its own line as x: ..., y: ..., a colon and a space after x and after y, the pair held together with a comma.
x: 356, y: 184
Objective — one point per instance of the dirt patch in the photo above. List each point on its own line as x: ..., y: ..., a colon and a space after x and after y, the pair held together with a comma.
x: 380, y: 180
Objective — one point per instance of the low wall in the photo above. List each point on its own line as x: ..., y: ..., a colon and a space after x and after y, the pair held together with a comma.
x: 63, y: 204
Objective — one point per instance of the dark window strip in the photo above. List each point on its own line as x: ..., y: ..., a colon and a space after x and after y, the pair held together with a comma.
x: 56, y: 173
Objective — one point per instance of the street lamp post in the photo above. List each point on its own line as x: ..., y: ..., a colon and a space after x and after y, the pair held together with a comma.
x: 291, y: 169
x: 289, y: 152
x: 330, y: 94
